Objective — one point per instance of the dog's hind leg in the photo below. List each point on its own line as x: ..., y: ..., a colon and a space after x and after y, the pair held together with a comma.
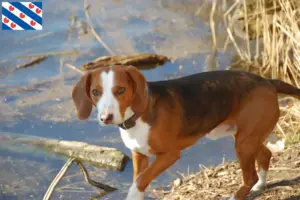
x: 246, y: 156
x: 263, y: 161
x: 255, y: 120
x: 249, y: 150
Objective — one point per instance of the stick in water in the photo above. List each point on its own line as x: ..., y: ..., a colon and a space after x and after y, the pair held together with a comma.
x: 63, y: 171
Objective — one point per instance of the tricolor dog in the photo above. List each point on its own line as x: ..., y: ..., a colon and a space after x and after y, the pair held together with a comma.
x: 163, y: 118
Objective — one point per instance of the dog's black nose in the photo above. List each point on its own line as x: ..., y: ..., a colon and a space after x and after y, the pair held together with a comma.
x: 107, y: 118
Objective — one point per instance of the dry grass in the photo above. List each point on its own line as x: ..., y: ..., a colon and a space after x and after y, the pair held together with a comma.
x: 220, y: 182
x: 273, y: 27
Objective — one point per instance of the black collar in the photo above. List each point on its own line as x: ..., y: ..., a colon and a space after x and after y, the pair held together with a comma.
x: 129, y: 123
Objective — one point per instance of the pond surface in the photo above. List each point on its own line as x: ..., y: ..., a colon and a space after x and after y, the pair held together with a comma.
x: 45, y: 109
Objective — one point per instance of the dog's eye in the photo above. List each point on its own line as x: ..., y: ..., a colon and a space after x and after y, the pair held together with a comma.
x: 120, y: 91
x: 95, y: 92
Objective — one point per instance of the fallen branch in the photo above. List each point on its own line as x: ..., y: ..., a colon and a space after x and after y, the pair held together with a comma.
x: 63, y: 171
x: 32, y: 62
x: 102, y: 186
x: 58, y: 177
x: 105, y: 157
x: 140, y: 60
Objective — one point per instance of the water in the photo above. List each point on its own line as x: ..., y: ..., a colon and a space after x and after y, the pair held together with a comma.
x: 169, y: 28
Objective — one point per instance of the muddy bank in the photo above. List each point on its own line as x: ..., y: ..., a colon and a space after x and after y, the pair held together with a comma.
x: 222, y: 181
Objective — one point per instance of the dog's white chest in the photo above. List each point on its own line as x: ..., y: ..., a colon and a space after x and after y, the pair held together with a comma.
x: 136, y: 138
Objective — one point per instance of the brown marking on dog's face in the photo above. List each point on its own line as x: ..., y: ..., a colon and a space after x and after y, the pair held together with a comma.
x: 122, y: 81
x: 139, y: 85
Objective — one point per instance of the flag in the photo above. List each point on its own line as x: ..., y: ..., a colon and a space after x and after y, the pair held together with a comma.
x: 22, y: 16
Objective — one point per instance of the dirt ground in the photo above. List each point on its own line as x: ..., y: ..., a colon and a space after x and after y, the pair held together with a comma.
x: 220, y: 182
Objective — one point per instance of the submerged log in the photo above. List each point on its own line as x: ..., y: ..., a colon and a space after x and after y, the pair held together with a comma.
x: 105, y: 157
x: 140, y: 60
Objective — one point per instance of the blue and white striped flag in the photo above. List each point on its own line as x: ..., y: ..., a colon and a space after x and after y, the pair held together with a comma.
x: 22, y: 16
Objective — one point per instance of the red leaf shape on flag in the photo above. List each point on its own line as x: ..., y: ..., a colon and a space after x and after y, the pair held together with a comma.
x: 13, y: 25
x: 11, y: 8
x: 6, y: 20
x: 22, y: 15
x: 32, y: 23
x: 31, y: 6
x: 38, y: 11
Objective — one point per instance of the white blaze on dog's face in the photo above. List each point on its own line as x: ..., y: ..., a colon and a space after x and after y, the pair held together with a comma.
x: 117, y: 93
x: 108, y: 104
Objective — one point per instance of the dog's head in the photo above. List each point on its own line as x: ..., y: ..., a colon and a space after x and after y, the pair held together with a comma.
x: 117, y: 92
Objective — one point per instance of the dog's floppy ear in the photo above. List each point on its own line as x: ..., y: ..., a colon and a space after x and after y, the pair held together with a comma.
x: 81, y: 97
x: 139, y: 103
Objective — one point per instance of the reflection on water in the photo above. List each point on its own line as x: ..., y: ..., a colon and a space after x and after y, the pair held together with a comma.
x: 37, y: 101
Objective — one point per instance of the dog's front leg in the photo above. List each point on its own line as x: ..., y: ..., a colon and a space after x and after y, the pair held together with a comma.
x: 160, y: 164
x: 140, y: 163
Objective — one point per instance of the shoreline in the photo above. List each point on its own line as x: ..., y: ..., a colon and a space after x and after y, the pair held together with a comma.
x: 221, y: 181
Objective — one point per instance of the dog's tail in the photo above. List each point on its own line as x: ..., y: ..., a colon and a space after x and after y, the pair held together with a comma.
x: 274, y: 143
x: 285, y: 88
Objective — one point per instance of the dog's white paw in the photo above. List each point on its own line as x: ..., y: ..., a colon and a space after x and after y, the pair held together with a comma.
x: 260, y: 185
x: 134, y: 193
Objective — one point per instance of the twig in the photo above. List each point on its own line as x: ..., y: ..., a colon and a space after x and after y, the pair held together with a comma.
x: 92, y: 182
x: 225, y: 23
x: 257, y: 33
x: 212, y: 59
x: 236, y: 3
x: 74, y: 68
x: 63, y: 171
x: 283, y: 168
x: 71, y: 185
x: 234, y: 43
x: 97, y: 197
x: 76, y: 190
x: 61, y: 70
x: 281, y: 131
x: 260, y: 12
x: 39, y: 36
x: 96, y: 35
x: 247, y: 31
x: 288, y: 34
x: 64, y: 53
x: 274, y: 57
x: 226, y: 44
x: 209, y: 192
x: 33, y: 62
x: 212, y: 23
x: 58, y: 177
